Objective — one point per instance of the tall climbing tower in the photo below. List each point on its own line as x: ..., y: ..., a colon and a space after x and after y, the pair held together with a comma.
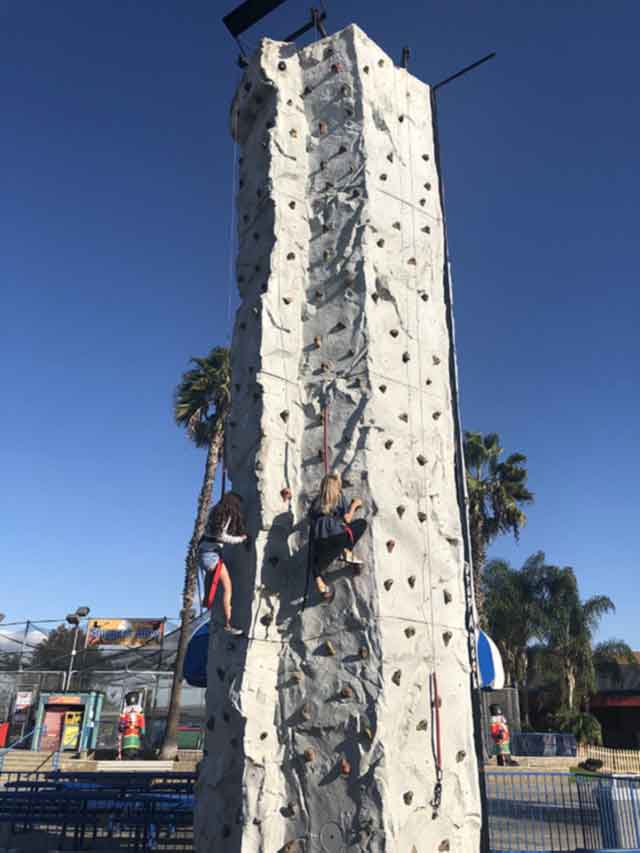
x: 344, y: 726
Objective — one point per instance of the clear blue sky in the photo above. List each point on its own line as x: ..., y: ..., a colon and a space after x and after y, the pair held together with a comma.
x: 114, y: 264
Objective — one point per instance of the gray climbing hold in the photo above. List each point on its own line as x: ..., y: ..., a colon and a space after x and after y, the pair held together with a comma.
x: 424, y: 297
x: 397, y: 226
x: 291, y: 256
x: 394, y: 333
x: 411, y: 580
x: 423, y: 201
x: 436, y: 415
x: 286, y: 300
x: 293, y: 133
x: 427, y: 186
x: 428, y: 382
x: 263, y: 735
x: 448, y: 598
x: 284, y: 415
x: 383, y: 176
x: 388, y: 443
x: 390, y: 156
x: 426, y: 229
x: 409, y: 632
x: 421, y: 460
x: 422, y: 517
x: 400, y: 118
x: 444, y: 846
x: 460, y: 755
x: 425, y: 157
x: 446, y: 637
x: 292, y: 205
x: 282, y: 66
x: 266, y: 620
x: 380, y: 63
x: 388, y: 584
x: 403, y: 416
x: 422, y: 726
x: 366, y: 69
x: 397, y: 677
x: 408, y: 797
x: 435, y: 359
x: 390, y: 545
x: 406, y: 357
x: 382, y: 388
x: 380, y: 243
x: 401, y: 510
x: 346, y: 692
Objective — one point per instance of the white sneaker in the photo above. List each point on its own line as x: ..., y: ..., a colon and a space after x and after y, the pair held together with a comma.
x: 236, y: 632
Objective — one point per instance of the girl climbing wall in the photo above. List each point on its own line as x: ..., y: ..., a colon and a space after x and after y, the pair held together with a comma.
x: 225, y: 526
x: 334, y: 533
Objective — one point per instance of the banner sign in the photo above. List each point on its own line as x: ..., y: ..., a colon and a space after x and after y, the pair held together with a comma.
x: 23, y: 700
x: 130, y: 633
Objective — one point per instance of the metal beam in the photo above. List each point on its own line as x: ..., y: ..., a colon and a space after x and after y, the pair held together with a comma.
x: 249, y: 13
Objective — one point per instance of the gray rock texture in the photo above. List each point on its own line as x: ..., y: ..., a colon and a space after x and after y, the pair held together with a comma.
x: 320, y: 723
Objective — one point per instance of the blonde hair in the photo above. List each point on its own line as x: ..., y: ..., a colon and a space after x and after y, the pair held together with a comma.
x: 330, y: 491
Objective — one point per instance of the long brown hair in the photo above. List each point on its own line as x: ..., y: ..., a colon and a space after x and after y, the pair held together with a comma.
x: 330, y: 491
x: 229, y: 508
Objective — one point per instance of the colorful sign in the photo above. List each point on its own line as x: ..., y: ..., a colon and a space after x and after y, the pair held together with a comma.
x: 131, y: 633
x: 23, y: 700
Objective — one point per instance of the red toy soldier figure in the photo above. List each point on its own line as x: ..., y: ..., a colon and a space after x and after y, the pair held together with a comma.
x: 131, y: 727
x: 499, y: 729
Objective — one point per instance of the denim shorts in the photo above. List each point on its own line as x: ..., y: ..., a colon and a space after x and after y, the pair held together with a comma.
x: 208, y: 560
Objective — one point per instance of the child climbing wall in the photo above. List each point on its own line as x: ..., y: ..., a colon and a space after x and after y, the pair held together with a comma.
x: 342, y: 725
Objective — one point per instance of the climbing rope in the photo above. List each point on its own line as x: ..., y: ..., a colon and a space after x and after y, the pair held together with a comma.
x: 325, y: 437
x: 436, y: 802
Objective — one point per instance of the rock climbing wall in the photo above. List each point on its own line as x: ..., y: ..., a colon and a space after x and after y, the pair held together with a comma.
x: 321, y: 728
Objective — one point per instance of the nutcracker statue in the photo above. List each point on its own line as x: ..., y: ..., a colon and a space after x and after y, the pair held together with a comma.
x: 499, y: 729
x: 131, y: 726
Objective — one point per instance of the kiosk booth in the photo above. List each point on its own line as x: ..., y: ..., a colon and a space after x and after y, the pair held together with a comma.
x: 67, y: 722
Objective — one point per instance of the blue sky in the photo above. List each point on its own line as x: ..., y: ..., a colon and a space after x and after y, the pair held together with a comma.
x: 114, y: 263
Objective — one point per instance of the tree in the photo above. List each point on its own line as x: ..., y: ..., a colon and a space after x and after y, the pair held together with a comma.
x: 497, y: 493
x: 609, y: 658
x: 570, y: 626
x: 513, y: 611
x: 201, y: 405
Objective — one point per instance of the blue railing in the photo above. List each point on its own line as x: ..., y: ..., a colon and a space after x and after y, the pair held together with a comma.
x: 562, y: 811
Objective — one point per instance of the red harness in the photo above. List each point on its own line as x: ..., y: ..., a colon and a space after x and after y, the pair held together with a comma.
x: 211, y: 584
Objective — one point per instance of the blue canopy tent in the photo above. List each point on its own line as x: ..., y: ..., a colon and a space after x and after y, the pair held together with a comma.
x: 489, y: 662
x: 194, y: 670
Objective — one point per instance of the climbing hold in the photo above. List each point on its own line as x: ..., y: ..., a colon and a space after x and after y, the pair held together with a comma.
x: 460, y: 755
x: 296, y: 676
x: 444, y: 846
x: 406, y: 357
x: 411, y: 580
x: 363, y: 651
x: 422, y: 517
x: 390, y: 545
x: 388, y: 584
x: 318, y: 294
x: 289, y: 103
x: 309, y: 755
x: 291, y: 256
x: 380, y: 63
x: 266, y: 620
x: 400, y: 118
x: 424, y: 297
x: 322, y: 127
x: 401, y: 510
x: 408, y: 797
x: 258, y: 465
x: 421, y: 460
x: 330, y: 648
x: 345, y: 767
x: 426, y: 229
x: 305, y: 712
x: 328, y: 51
x: 366, y: 69
x: 263, y: 735
x: 327, y: 254
x: 383, y: 177
x: 403, y: 416
x: 388, y: 443
x: 446, y: 637
x: 448, y: 598
x: 293, y: 133
x: 422, y: 726
x: 380, y: 243
x: 282, y: 66
x: 412, y: 262
x: 382, y: 388
x: 307, y: 91
x: 397, y: 677
x: 397, y: 226
x: 284, y: 415
x: 346, y: 692
x: 211, y: 723
x: 325, y: 366
x: 394, y: 333
x: 323, y: 165
x: 436, y: 415
x: 427, y: 186
x: 288, y: 811
x: 292, y: 205
x: 342, y: 149
x: 285, y: 494
x: 375, y: 297
x: 264, y: 287
x: 425, y: 157
x: 409, y: 632
x: 286, y: 300
x: 336, y: 68
x: 290, y: 847
x: 345, y: 90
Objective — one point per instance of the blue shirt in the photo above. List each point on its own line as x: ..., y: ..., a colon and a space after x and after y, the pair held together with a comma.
x: 331, y: 524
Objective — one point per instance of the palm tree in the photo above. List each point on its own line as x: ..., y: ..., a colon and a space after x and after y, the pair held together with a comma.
x: 609, y: 658
x: 513, y: 610
x: 201, y: 405
x: 571, y: 624
x: 497, y: 493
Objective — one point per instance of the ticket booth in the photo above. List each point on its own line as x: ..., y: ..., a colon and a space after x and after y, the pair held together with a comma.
x: 67, y: 722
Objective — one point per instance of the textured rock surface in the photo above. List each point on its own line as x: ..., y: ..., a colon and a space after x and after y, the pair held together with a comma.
x: 320, y: 726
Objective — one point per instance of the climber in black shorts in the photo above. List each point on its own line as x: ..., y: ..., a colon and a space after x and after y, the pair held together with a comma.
x: 334, y: 533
